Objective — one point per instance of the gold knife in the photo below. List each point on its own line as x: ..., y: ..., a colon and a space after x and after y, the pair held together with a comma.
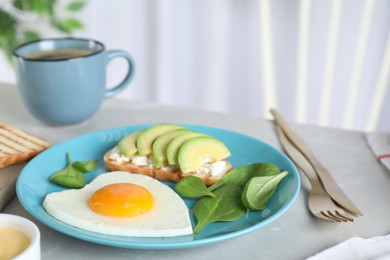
x: 323, y: 174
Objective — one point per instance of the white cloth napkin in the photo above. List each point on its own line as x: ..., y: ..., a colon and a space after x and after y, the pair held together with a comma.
x: 380, y: 145
x: 357, y: 248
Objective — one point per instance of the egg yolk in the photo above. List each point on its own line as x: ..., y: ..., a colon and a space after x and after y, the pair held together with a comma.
x: 121, y: 200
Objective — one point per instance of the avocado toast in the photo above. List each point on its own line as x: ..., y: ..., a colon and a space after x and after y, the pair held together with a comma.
x: 170, y: 152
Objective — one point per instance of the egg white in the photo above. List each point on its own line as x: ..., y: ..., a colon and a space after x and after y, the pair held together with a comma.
x: 169, y: 216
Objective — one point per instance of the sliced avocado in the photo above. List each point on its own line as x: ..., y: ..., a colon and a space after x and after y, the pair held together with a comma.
x: 174, y: 145
x: 159, y: 147
x: 195, y: 152
x: 127, y: 145
x: 146, y: 138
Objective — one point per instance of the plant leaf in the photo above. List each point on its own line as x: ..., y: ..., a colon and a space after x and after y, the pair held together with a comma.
x: 7, y: 22
x: 259, y: 189
x: 30, y: 35
x: 23, y: 5
x: 72, y: 24
x: 39, y: 6
x: 191, y: 187
x: 8, y: 42
x: 75, y: 6
x: 50, y: 4
x: 225, y: 206
x: 66, y: 25
x: 241, y: 175
x: 59, y: 26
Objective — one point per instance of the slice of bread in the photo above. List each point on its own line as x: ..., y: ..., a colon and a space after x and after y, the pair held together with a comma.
x: 173, y: 175
x: 17, y: 146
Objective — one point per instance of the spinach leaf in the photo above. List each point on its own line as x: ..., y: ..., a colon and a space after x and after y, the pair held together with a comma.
x: 86, y: 166
x: 225, y: 206
x: 241, y: 175
x: 191, y: 187
x: 70, y: 176
x: 259, y: 189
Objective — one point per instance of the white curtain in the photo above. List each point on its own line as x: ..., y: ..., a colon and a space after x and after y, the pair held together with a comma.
x: 242, y: 56
x: 202, y: 54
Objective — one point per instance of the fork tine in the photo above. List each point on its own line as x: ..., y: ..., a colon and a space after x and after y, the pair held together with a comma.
x: 324, y: 217
x: 335, y: 216
x: 348, y: 218
x: 330, y: 217
x: 321, y: 204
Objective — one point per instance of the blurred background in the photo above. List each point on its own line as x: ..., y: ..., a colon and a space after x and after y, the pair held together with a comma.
x: 323, y: 62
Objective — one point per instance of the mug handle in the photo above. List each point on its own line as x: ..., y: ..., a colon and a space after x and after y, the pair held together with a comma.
x: 121, y: 86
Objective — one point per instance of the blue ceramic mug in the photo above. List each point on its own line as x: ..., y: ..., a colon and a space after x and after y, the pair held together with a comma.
x: 63, y: 81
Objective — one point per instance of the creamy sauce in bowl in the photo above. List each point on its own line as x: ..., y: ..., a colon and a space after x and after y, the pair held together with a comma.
x: 12, y: 242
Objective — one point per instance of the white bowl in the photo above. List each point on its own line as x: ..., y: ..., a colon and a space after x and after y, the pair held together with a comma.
x: 27, y: 227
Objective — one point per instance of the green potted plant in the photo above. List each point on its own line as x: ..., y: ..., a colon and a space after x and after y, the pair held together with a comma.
x: 16, y: 15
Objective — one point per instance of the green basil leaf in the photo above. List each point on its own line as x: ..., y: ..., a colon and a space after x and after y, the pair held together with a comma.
x: 191, y: 187
x: 259, y: 189
x: 86, y: 166
x: 225, y: 206
x: 69, y: 177
x: 241, y: 175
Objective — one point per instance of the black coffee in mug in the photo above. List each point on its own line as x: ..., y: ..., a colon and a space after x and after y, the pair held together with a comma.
x: 60, y: 90
x: 58, y: 54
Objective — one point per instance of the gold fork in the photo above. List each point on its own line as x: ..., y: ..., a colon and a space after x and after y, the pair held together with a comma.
x: 321, y: 204
x: 329, y: 184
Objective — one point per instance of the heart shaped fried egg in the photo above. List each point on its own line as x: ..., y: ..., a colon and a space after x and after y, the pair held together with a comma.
x: 122, y: 204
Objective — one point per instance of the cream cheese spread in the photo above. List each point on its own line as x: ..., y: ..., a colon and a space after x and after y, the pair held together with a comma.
x: 115, y: 155
x: 139, y: 160
x: 214, y: 169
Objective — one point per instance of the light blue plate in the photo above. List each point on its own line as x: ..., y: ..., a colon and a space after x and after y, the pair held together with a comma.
x: 33, y: 184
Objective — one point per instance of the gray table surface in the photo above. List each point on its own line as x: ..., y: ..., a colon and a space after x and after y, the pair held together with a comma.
x: 295, y: 235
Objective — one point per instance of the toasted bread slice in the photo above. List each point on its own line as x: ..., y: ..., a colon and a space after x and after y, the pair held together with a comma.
x: 173, y: 175
x: 18, y: 146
